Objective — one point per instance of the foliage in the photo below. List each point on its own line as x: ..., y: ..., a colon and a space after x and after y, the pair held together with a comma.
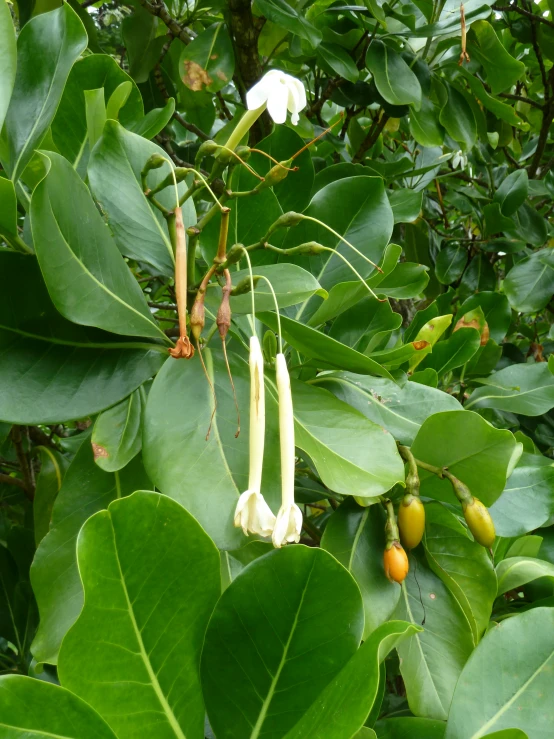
x: 397, y: 240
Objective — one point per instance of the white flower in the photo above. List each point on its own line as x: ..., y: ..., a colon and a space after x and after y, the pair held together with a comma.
x: 289, y: 518
x: 459, y: 159
x: 279, y: 91
x: 252, y: 512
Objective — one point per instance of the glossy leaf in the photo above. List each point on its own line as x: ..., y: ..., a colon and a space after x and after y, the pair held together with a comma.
x: 85, y: 490
x: 410, y: 728
x: 477, y: 453
x: 74, y: 371
x: 345, y: 703
x: 527, y: 389
x: 457, y: 118
x: 432, y: 660
x: 512, y: 192
x: 520, y: 649
x: 8, y: 59
x: 284, y: 15
x: 145, y: 565
x: 356, y: 537
x: 501, y: 67
x: 450, y: 263
x: 116, y: 436
x: 339, y: 60
x: 295, y: 602
x: 516, y: 571
x: 454, y: 352
x: 366, y: 326
x: 78, y: 261
x: 399, y: 409
x: 406, y: 205
x: 496, y: 309
x: 208, y: 62
x: 394, y: 79
x: 53, y: 467
x: 57, y: 38
x: 530, y: 283
x: 35, y: 708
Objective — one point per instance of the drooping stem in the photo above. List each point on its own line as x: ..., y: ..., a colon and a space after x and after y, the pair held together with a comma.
x: 243, y: 126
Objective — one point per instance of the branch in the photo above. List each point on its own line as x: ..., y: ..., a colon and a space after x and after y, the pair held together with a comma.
x: 177, y: 116
x: 522, y: 99
x: 332, y: 85
x: 522, y: 11
x: 159, y: 9
x: 26, y: 468
x: 9, y: 480
x: 371, y: 138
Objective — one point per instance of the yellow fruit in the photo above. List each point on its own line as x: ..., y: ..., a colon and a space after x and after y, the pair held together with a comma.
x: 480, y: 523
x: 396, y: 564
x: 411, y: 520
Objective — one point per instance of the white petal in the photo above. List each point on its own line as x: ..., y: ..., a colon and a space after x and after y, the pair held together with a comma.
x: 277, y: 102
x: 257, y: 95
x: 299, y: 92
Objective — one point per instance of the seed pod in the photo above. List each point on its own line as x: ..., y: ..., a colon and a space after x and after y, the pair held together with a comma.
x: 395, y: 561
x: 245, y: 285
x: 197, y: 316
x: 276, y: 175
x: 479, y: 521
x: 411, y: 520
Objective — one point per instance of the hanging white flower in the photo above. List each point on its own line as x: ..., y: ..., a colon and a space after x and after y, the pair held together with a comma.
x: 252, y: 512
x: 280, y: 92
x: 459, y: 160
x: 288, y: 526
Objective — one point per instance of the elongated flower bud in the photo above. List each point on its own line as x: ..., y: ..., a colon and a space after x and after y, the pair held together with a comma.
x: 288, y: 526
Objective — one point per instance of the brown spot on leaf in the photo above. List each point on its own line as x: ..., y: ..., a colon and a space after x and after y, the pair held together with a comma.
x: 419, y: 345
x: 222, y: 76
x: 99, y: 451
x: 195, y: 77
x: 213, y: 56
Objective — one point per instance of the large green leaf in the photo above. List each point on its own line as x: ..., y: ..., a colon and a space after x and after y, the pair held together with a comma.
x: 286, y: 16
x: 530, y: 283
x: 450, y: 263
x: 116, y: 436
x: 208, y: 62
x: 279, y: 634
x: 69, y: 127
x: 356, y: 537
x: 457, y: 118
x: 527, y: 501
x: 206, y: 477
x: 393, y: 77
x: 431, y: 662
x: 477, y: 453
x: 524, y: 388
x: 399, y: 409
x: 85, y: 274
x: 324, y: 350
x: 502, y: 69
x: 151, y: 580
x: 56, y: 38
x: 74, y: 371
x: 463, y: 565
x: 139, y: 229
x: 454, y: 352
x: 516, y: 571
x: 507, y: 680
x: 358, y: 209
x: 512, y: 191
x: 85, y: 490
x: 345, y: 703
x: 53, y: 467
x: 366, y: 326
x: 496, y: 309
x: 36, y: 709
x: 410, y: 728
x: 405, y: 204
x: 8, y: 59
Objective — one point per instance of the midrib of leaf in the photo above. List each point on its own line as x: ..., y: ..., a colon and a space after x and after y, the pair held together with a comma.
x: 518, y: 394
x: 490, y: 723
x: 55, y: 463
x: 357, y: 538
x: 263, y: 712
x: 143, y: 653
x: 91, y: 345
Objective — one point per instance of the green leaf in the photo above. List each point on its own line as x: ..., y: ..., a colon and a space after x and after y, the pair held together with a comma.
x: 405, y: 204
x: 502, y: 69
x: 151, y: 580
x: 85, y: 490
x: 8, y: 59
x: 464, y: 567
x: 512, y: 192
x: 35, y: 708
x: 143, y: 47
x: 520, y: 649
x: 501, y: 110
x: 425, y: 126
x: 410, y: 728
x: 8, y: 216
x: 527, y: 389
x: 155, y: 120
x: 366, y: 326
x: 527, y: 501
x: 477, y: 453
x: 279, y: 634
x: 454, y: 352
x: 206, y: 476
x: 56, y: 38
x: 345, y: 703
x: 393, y: 77
x: 117, y: 99
x: 432, y: 660
x: 514, y: 572
x: 496, y: 309
x: 53, y: 467
x: 324, y: 350
x: 281, y: 13
x: 95, y: 109
x: 359, y: 210
x: 356, y: 537
x: 457, y: 118
x: 291, y: 285
x: 69, y: 127
x: 208, y: 62
x: 450, y: 263
x: 78, y: 260
x: 399, y: 409
x: 75, y: 371
x: 116, y: 436
x: 339, y: 60
x: 530, y: 283
x: 407, y: 280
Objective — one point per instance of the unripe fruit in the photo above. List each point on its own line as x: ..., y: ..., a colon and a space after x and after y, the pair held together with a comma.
x: 396, y: 564
x: 479, y: 521
x: 411, y: 520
